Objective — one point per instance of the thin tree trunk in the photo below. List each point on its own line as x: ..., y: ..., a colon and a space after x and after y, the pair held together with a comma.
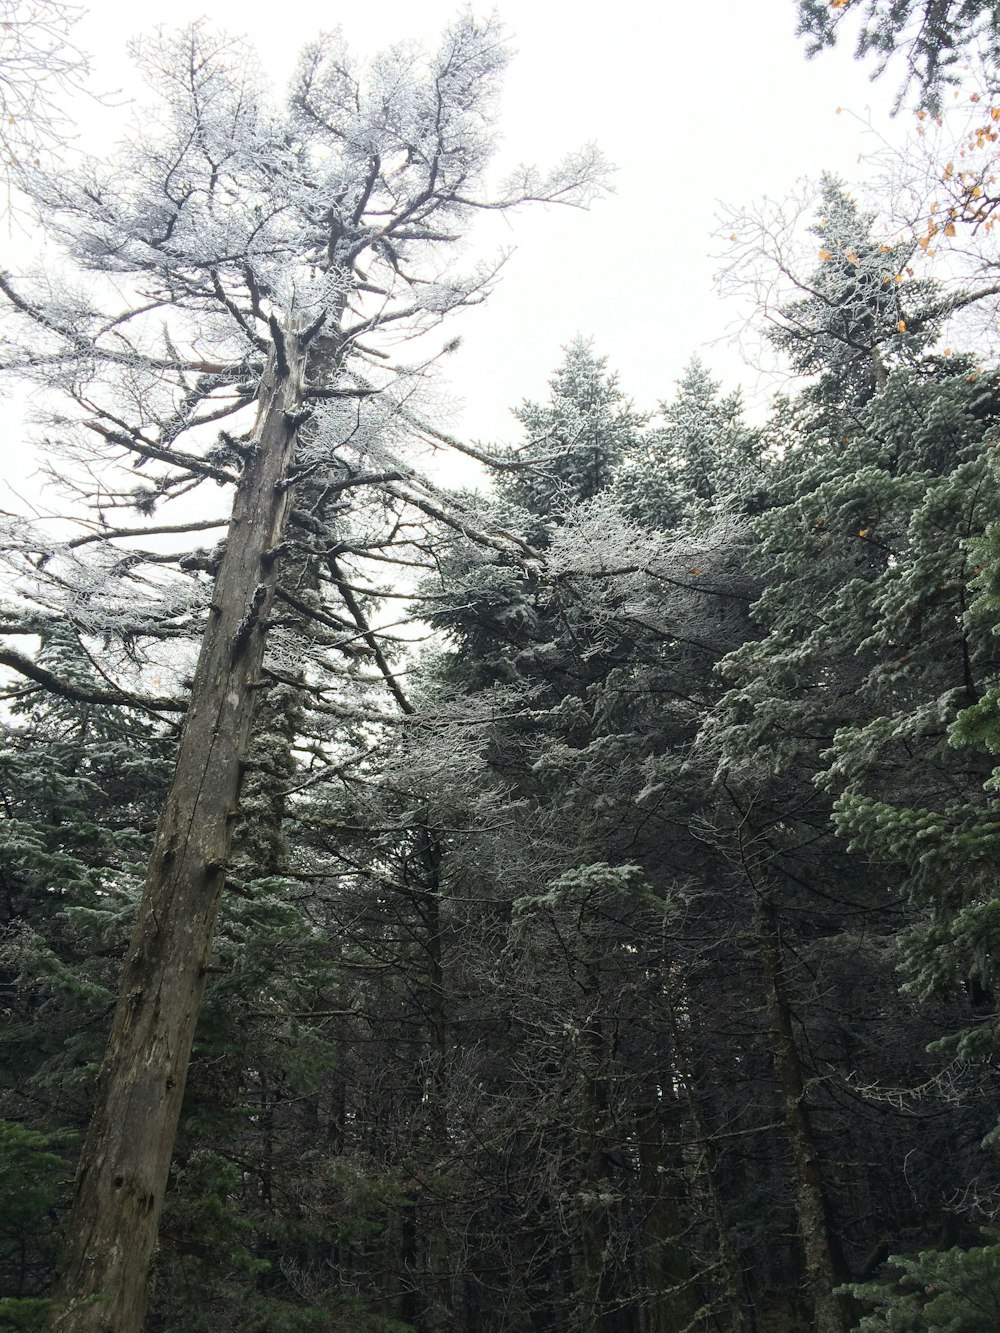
x: 731, y: 1270
x: 670, y: 1301
x: 126, y: 1158
x: 825, y: 1268
x: 440, y: 1256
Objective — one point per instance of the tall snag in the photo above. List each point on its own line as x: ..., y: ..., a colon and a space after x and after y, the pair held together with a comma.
x: 210, y: 255
x: 126, y: 1158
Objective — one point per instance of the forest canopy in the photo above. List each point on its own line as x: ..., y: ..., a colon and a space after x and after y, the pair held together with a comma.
x: 560, y: 902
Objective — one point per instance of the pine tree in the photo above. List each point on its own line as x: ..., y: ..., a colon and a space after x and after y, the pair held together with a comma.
x: 933, y: 36
x: 699, y: 453
x: 867, y: 656
x: 574, y: 443
x: 592, y: 670
x: 80, y: 786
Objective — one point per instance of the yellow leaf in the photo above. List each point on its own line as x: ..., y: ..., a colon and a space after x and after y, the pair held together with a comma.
x: 901, y: 325
x: 852, y: 257
x: 976, y: 192
x: 950, y: 229
x: 884, y: 249
x: 863, y: 532
x: 732, y: 236
x: 825, y: 255
x: 946, y: 351
x: 838, y: 110
x: 899, y: 277
x: 948, y: 171
x: 995, y: 113
x: 923, y: 242
x: 694, y: 571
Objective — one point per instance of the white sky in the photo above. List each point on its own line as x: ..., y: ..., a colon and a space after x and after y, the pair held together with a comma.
x: 692, y: 102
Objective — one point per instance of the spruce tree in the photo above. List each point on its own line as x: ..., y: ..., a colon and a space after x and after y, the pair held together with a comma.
x: 843, y: 705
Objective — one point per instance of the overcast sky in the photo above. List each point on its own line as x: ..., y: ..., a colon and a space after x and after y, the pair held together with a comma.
x: 693, y: 103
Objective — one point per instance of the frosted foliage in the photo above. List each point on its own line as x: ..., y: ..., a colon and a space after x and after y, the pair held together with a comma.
x: 190, y: 184
x: 225, y: 211
x: 96, y: 588
x: 369, y: 429
x: 694, y: 588
x: 576, y: 442
x: 702, y: 588
x: 596, y: 539
x: 227, y: 225
x: 838, y: 294
x: 40, y: 64
x: 411, y: 111
x: 443, y: 762
x: 283, y: 652
x: 229, y: 177
x: 701, y: 455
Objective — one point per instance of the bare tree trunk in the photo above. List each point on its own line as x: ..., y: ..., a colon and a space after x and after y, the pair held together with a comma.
x: 729, y: 1265
x: 440, y: 1255
x: 825, y: 1268
x: 126, y: 1158
x: 670, y: 1301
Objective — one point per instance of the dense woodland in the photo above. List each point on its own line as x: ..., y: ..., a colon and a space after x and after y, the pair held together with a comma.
x: 588, y: 896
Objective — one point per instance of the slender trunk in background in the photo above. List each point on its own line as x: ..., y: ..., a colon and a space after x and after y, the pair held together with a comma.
x: 732, y: 1277
x: 440, y: 1257
x: 825, y: 1267
x: 125, y: 1162
x: 670, y: 1301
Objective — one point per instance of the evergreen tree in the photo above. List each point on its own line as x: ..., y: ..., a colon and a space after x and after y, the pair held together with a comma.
x: 860, y: 316
x: 79, y: 788
x: 606, y: 672
x: 867, y: 656
x: 574, y: 443
x: 933, y: 36
x: 700, y: 454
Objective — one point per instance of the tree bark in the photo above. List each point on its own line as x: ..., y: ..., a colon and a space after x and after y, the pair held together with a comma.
x: 669, y: 1302
x: 732, y: 1275
x: 125, y: 1162
x: 825, y: 1267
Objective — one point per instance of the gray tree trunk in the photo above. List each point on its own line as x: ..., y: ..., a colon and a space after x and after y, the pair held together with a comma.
x: 825, y: 1268
x: 125, y: 1162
